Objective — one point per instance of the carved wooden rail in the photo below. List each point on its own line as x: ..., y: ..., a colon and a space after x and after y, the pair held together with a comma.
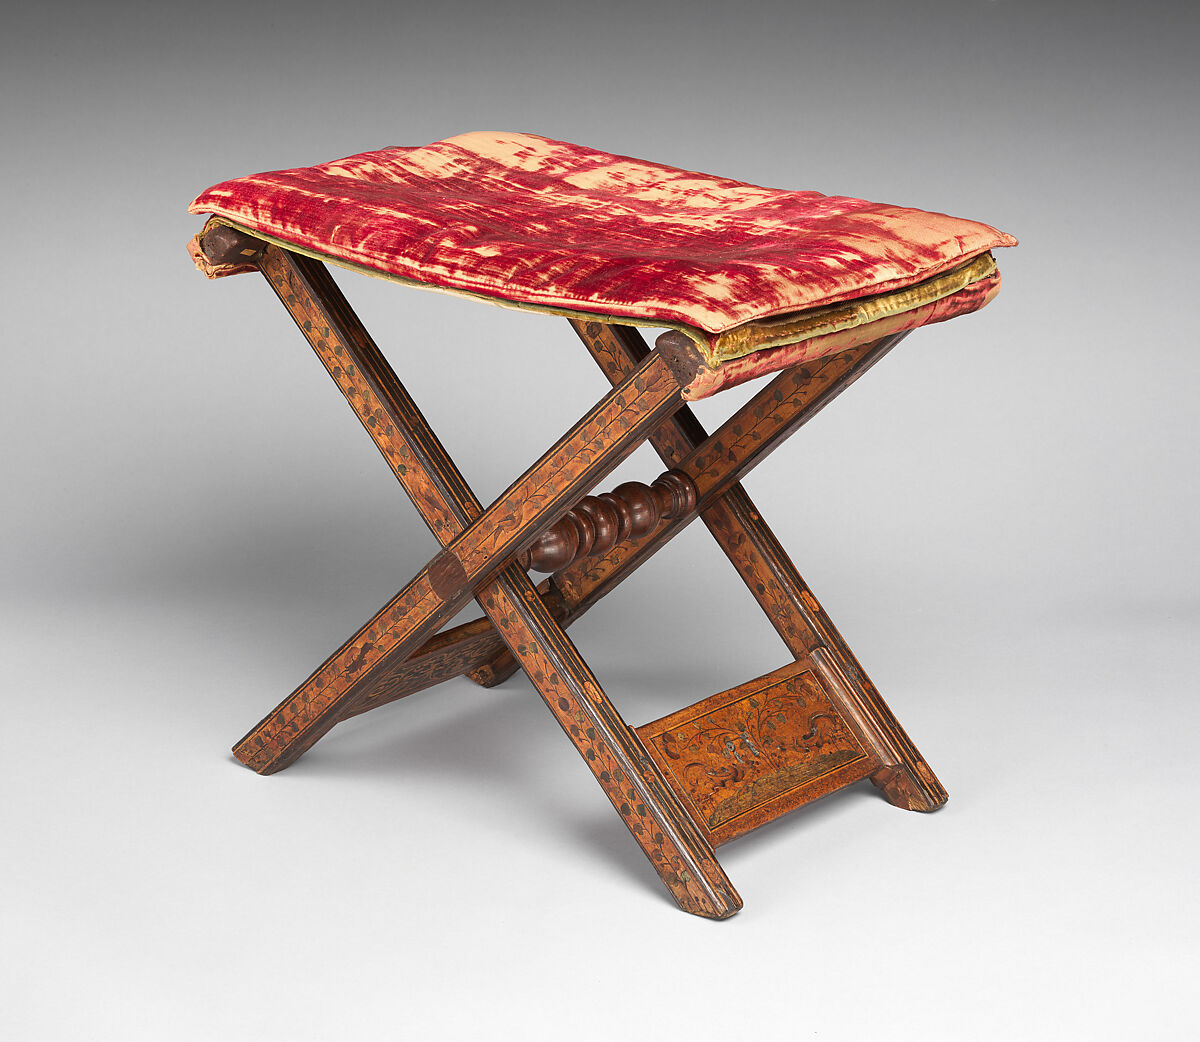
x: 597, y: 523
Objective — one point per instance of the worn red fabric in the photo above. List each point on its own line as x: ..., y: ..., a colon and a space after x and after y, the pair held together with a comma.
x: 528, y: 220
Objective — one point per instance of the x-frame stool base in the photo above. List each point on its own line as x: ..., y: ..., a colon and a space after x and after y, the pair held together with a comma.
x: 683, y: 784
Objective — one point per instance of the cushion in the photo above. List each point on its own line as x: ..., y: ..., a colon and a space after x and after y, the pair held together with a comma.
x: 526, y: 221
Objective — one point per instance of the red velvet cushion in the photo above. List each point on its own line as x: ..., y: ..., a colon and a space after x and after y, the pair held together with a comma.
x: 522, y: 218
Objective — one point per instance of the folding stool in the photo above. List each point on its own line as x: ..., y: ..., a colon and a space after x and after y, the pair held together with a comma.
x: 747, y: 281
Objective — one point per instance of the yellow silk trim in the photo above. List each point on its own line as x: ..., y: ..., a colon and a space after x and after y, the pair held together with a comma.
x: 804, y: 325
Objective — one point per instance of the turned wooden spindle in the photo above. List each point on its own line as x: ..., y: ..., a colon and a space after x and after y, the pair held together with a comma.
x: 597, y: 523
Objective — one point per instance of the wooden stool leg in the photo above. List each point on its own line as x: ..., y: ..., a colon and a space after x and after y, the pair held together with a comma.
x: 906, y: 779
x: 649, y: 807
x: 616, y: 756
x: 589, y: 451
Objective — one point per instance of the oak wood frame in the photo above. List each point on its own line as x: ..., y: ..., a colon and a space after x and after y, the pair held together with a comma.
x: 400, y: 651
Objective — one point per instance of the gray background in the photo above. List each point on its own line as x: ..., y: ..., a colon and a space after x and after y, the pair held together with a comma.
x: 1000, y: 518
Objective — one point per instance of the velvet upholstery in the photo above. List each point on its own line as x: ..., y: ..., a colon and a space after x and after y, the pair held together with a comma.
x: 754, y: 275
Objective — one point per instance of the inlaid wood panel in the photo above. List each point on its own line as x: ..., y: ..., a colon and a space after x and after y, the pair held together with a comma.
x: 747, y: 755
